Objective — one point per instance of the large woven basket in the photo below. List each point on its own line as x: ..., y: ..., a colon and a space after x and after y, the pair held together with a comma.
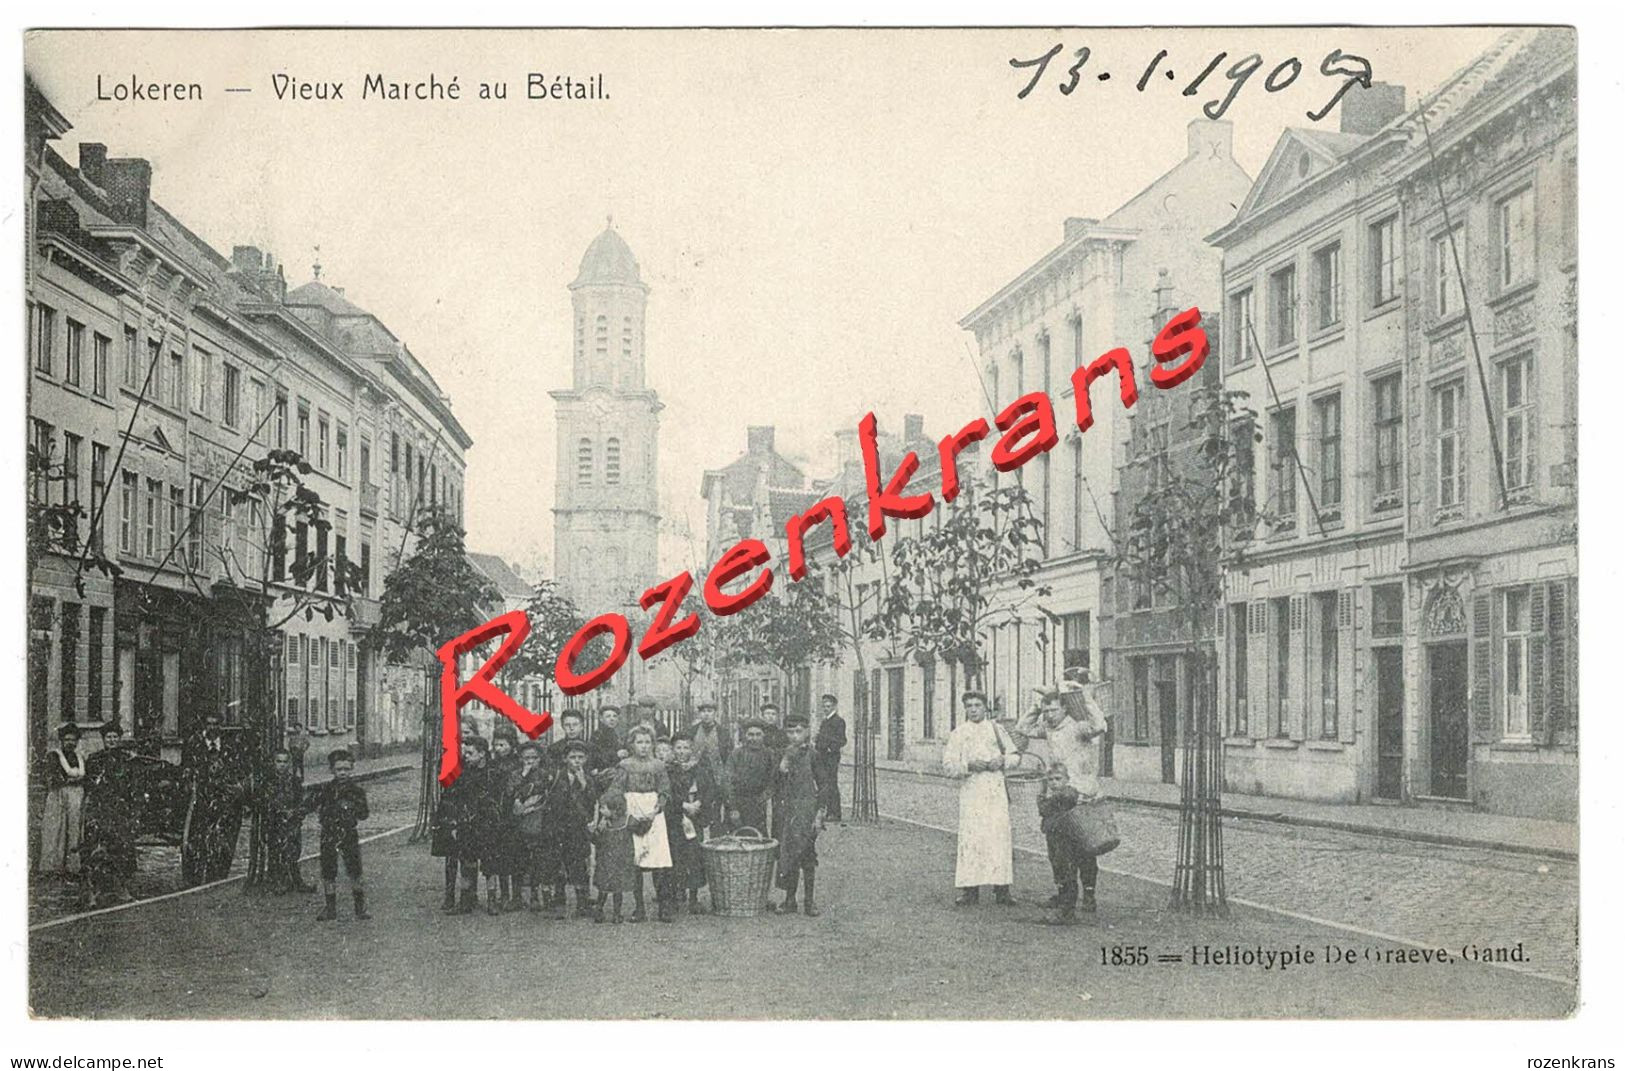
x: 739, y: 872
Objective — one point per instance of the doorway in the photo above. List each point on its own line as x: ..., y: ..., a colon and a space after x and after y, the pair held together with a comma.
x: 1167, y: 717
x: 1390, y: 670
x: 894, y: 713
x: 1447, y: 720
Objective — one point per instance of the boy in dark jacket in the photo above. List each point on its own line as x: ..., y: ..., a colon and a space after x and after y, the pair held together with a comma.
x: 800, y: 817
x: 568, y: 813
x: 341, y: 806
x: 460, y: 826
x: 1074, y: 868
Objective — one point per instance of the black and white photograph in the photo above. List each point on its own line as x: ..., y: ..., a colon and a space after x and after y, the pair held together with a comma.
x: 826, y: 524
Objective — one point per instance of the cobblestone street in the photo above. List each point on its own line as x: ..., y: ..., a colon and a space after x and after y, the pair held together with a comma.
x: 1430, y: 894
x: 889, y: 945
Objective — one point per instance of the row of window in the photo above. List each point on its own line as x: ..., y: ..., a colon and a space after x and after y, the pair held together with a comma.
x: 321, y: 683
x: 80, y: 368
x: 163, y: 522
x: 258, y: 407
x: 1323, y: 468
x: 1327, y: 615
x: 1526, y: 667
x: 76, y: 632
x: 1513, y: 225
x: 415, y: 479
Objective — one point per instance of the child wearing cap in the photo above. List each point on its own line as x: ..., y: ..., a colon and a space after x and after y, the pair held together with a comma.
x: 801, y: 816
x: 340, y: 805
x: 567, y: 836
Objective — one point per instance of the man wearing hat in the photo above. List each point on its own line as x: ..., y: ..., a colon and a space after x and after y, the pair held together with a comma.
x: 827, y: 748
x: 748, y: 780
x: 112, y: 800
x: 215, y: 814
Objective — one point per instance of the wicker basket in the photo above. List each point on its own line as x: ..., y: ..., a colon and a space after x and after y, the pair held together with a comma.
x: 739, y: 872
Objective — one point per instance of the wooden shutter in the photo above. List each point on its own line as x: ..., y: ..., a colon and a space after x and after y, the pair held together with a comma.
x: 1536, y: 672
x: 1258, y: 670
x: 1483, y: 647
x: 1559, y: 722
x: 1347, y: 651
x: 1298, y: 705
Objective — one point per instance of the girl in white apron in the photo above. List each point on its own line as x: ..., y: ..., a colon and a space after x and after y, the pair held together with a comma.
x: 643, y: 780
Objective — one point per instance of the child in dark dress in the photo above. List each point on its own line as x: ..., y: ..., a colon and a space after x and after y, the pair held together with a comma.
x: 695, y: 796
x: 461, y: 824
x: 505, y: 849
x: 284, y: 817
x: 527, y: 800
x: 613, y: 870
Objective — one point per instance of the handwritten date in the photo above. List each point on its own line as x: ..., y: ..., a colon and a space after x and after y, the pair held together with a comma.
x: 1351, y: 69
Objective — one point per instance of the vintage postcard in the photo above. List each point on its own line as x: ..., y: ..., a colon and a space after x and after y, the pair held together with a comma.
x: 850, y: 524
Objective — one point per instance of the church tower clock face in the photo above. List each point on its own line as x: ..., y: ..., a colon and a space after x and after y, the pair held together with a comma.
x: 606, y: 512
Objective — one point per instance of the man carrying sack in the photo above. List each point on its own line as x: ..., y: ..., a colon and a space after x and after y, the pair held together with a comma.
x: 1072, y: 745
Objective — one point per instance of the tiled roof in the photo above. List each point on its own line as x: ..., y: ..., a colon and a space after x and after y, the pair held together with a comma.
x: 507, y: 582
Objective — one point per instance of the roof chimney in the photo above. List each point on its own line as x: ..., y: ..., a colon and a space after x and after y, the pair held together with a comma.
x: 1207, y: 139
x: 1076, y: 226
x: 1366, y: 111
x: 92, y: 160
x: 913, y: 427
x: 759, y: 440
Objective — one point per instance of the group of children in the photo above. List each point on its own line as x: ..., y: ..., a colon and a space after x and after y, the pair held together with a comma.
x: 530, y: 817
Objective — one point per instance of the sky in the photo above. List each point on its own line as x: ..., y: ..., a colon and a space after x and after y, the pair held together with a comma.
x: 814, y: 211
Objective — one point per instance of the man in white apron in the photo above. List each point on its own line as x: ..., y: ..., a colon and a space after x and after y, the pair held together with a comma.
x: 976, y: 752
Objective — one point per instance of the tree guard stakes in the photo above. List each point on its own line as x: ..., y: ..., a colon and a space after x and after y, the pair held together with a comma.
x: 1027, y: 427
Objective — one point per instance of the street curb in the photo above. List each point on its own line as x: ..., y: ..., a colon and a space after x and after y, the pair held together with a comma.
x: 1419, y: 836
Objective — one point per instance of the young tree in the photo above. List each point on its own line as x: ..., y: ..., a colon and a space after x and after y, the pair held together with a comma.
x: 55, y: 515
x: 432, y: 597
x: 855, y: 603
x: 948, y: 584
x: 554, y: 618
x: 793, y: 625
x: 1198, y: 515
x: 263, y: 591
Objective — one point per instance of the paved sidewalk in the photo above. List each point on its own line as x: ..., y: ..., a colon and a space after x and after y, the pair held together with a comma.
x: 1457, y: 828
x: 158, y: 866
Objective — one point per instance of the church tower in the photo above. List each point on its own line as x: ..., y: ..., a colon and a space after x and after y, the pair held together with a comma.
x: 606, y: 511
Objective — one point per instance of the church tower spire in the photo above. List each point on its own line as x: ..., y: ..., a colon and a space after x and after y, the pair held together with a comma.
x: 606, y: 512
